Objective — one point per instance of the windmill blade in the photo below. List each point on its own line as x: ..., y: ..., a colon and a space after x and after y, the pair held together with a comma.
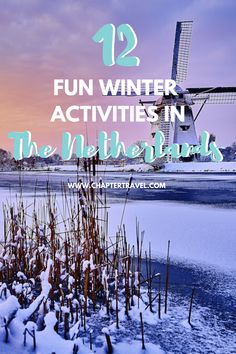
x: 213, y: 95
x: 181, y: 50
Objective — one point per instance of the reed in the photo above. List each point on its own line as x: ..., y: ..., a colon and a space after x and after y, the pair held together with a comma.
x: 88, y: 268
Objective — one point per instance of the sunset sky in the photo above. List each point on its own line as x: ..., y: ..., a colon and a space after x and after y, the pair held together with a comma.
x: 41, y: 40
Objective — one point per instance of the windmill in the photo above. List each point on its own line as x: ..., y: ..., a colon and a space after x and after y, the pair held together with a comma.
x: 185, y: 132
x: 180, y: 132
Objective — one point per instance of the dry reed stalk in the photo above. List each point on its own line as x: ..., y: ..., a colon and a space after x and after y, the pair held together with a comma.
x: 167, y: 275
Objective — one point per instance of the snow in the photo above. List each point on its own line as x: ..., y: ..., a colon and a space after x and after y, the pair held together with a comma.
x: 141, y: 167
x: 88, y: 264
x: 197, y: 233
x: 31, y: 326
x: 134, y: 313
x: 21, y: 276
x: 18, y: 288
x: 222, y: 166
x: 48, y: 341
x: 8, y: 308
x: 124, y: 348
x: 63, y: 168
x: 197, y: 236
x: 200, y: 167
x: 170, y: 328
x: 46, y: 286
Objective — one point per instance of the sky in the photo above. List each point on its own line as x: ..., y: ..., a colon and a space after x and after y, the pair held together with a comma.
x: 41, y: 40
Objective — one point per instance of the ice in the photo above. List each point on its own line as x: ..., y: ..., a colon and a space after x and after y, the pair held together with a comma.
x: 198, y: 233
x: 123, y: 348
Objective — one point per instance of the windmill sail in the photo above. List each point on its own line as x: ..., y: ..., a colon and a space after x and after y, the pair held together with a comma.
x: 213, y: 95
x: 181, y: 50
x: 179, y: 68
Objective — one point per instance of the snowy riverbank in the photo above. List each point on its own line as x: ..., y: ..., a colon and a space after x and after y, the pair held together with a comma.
x: 171, y: 167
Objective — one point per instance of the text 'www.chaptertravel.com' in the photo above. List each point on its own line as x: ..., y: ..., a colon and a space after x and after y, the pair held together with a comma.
x: 116, y: 185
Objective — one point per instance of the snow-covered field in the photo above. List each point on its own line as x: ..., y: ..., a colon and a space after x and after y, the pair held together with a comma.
x: 106, y: 167
x: 169, y: 167
x: 200, y: 167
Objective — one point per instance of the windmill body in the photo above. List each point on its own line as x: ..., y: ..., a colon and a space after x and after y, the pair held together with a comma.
x: 179, y: 132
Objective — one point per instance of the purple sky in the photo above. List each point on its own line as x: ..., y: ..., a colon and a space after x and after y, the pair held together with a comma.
x: 43, y: 40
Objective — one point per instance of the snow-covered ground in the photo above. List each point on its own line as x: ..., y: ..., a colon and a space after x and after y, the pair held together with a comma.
x: 200, y: 167
x: 141, y: 167
x: 49, y: 341
x: 169, y: 167
x: 205, y: 334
